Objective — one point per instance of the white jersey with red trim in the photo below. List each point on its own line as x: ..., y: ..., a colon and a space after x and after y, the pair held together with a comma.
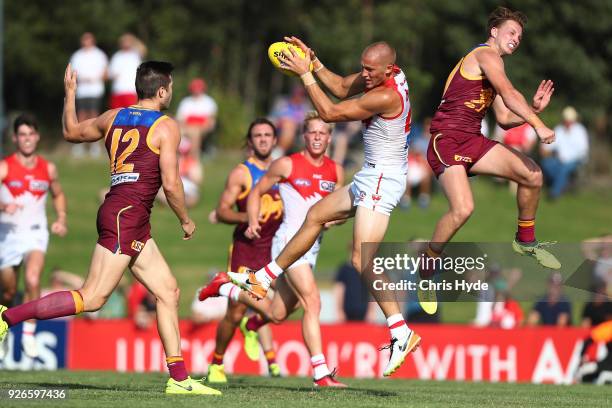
x: 305, y: 186
x: 385, y: 139
x: 27, y: 187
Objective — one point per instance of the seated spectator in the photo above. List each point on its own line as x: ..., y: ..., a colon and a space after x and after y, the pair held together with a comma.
x: 141, y: 306
x: 553, y: 309
x: 344, y: 134
x: 351, y: 296
x: 599, y: 309
x: 506, y: 312
x: 211, y: 310
x: 287, y: 114
x: 197, y: 115
x: 566, y: 154
x: 191, y: 173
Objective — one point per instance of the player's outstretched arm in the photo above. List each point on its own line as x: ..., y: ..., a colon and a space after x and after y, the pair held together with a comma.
x: 169, y: 137
x: 59, y: 227
x: 235, y: 185
x: 279, y: 169
x: 74, y: 131
x: 341, y: 87
x: 492, y: 66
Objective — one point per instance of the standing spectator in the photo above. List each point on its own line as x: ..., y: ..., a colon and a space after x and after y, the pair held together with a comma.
x: 197, y: 115
x: 419, y: 172
x: 122, y: 71
x: 191, y: 173
x: 344, y: 134
x: 287, y: 114
x: 506, y: 312
x: 553, y: 309
x: 562, y: 158
x: 91, y: 64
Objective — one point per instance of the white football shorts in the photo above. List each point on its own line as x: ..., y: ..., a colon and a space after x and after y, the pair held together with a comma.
x: 379, y: 188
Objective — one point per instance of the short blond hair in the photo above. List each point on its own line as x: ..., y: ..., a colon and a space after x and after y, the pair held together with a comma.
x: 314, y: 115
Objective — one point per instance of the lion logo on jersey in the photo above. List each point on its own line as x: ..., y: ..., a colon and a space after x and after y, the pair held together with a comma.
x: 270, y: 207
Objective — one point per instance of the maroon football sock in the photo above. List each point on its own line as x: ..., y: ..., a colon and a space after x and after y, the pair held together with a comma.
x: 255, y: 322
x: 526, y: 230
x: 176, y: 367
x: 58, y: 304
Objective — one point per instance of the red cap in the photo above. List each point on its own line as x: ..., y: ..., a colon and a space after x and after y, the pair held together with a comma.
x: 197, y: 85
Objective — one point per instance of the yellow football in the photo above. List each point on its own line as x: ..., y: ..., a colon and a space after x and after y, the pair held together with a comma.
x: 275, y: 52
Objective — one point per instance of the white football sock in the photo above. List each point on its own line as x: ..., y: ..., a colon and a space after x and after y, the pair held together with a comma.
x: 319, y: 366
x: 268, y: 273
x: 229, y: 290
x: 397, y: 325
x: 29, y: 328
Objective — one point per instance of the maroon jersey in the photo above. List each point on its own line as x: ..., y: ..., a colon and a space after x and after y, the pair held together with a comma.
x: 465, y: 101
x: 134, y: 162
x: 255, y: 254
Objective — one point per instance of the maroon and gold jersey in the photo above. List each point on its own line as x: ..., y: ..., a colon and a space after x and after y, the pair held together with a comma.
x: 255, y: 254
x: 465, y: 101
x: 134, y: 162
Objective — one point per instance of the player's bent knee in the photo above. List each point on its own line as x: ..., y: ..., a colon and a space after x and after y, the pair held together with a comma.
x: 463, y: 212
x: 312, y: 303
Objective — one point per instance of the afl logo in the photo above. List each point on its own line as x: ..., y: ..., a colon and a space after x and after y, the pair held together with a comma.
x: 15, y: 184
x: 302, y: 182
x: 328, y: 186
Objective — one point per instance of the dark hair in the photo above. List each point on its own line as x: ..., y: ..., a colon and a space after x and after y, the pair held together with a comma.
x: 502, y: 14
x: 152, y: 75
x: 260, y: 121
x: 25, y: 119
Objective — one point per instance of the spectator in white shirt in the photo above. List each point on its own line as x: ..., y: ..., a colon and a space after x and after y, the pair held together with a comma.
x: 563, y: 157
x: 197, y: 115
x: 122, y: 71
x: 91, y: 64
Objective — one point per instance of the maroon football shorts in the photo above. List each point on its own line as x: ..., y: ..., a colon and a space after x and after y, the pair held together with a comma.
x: 244, y: 256
x: 123, y: 228
x: 449, y: 148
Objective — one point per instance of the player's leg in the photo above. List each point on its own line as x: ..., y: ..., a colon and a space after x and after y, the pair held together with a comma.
x: 151, y: 269
x: 501, y: 161
x: 267, y: 344
x: 336, y: 206
x: 104, y: 274
x: 34, y: 262
x: 225, y: 332
x: 8, y: 284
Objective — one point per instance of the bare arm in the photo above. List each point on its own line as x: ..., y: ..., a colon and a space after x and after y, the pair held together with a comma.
x: 169, y: 137
x: 59, y: 227
x: 341, y: 87
x: 279, y: 169
x: 235, y: 185
x: 492, y: 67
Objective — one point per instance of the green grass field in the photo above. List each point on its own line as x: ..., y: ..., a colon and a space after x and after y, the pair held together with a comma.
x: 571, y: 219
x: 104, y: 389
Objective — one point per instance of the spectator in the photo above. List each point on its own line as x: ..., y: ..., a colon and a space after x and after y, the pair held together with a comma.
x: 210, y: 310
x: 122, y: 71
x: 344, y: 134
x: 91, y: 64
x: 419, y: 172
x: 351, y: 296
x: 197, y: 115
x: 506, y: 312
x: 599, y: 309
x: 141, y: 306
x: 191, y: 172
x: 562, y: 158
x: 553, y: 309
x: 494, y: 306
x: 287, y: 114
x: 599, y: 250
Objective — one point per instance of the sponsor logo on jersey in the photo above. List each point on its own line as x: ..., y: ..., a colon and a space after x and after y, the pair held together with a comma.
x: 317, y: 176
x: 376, y: 197
x: 463, y: 158
x: 137, y: 246
x: 39, y: 185
x: 328, y: 186
x: 124, y: 178
x: 302, y: 182
x: 15, y: 184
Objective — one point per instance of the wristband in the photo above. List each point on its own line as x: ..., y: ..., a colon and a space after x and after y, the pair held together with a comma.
x: 308, y: 79
x: 321, y: 66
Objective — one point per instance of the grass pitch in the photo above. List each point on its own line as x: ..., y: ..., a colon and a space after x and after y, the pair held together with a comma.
x: 109, y: 389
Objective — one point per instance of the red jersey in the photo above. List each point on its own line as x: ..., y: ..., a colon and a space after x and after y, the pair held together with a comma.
x: 134, y: 162
x: 465, y: 101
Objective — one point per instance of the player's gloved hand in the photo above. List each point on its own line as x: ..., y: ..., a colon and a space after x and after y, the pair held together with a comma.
x: 188, y: 228
x: 59, y: 228
x: 545, y: 134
